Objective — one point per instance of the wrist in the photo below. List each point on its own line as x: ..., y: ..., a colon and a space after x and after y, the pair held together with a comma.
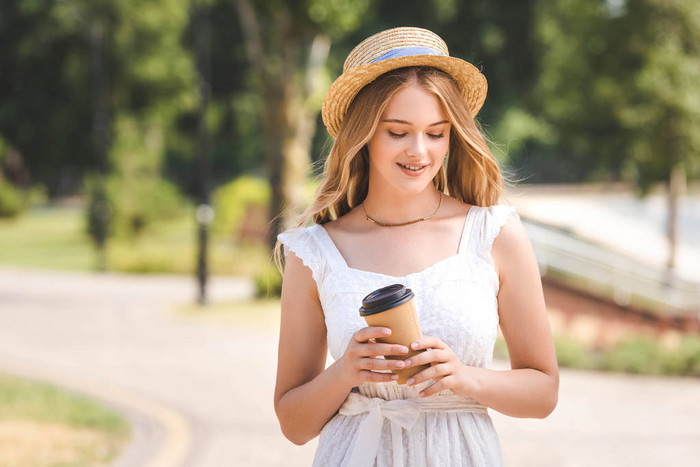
x: 472, y: 382
x: 341, y: 375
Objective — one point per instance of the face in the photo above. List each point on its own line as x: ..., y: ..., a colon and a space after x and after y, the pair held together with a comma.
x: 410, y: 142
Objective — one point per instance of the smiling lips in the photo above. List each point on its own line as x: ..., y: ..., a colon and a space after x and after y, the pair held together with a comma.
x: 414, y: 168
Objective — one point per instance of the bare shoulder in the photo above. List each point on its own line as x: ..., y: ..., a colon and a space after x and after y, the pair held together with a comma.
x: 511, y: 248
x: 512, y: 235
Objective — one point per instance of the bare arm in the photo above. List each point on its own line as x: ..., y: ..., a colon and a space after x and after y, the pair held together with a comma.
x: 306, y: 395
x: 530, y: 388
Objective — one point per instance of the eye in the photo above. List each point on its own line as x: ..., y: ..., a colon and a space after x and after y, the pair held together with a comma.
x: 396, y: 135
x: 441, y: 135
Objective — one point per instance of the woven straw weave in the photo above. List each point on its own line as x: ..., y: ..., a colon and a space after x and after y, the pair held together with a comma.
x: 358, y: 71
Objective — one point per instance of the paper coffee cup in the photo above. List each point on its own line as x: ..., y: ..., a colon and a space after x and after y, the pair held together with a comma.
x: 393, y: 307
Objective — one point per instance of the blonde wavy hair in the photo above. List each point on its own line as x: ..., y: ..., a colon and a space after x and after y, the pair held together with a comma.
x: 471, y: 173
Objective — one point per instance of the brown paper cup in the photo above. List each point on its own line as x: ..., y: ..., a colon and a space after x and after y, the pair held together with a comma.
x: 393, y: 307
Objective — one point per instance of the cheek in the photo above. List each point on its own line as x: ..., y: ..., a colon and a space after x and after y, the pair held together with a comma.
x: 383, y: 149
x: 441, y: 147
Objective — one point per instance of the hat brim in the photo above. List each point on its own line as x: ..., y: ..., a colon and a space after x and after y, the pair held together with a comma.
x: 471, y: 82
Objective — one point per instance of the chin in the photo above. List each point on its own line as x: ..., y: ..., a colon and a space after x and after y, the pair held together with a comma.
x: 414, y: 188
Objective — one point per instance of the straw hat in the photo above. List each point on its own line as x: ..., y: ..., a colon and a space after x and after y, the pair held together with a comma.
x: 392, y: 49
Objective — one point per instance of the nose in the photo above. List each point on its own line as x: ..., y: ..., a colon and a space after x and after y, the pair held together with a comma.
x: 417, y: 146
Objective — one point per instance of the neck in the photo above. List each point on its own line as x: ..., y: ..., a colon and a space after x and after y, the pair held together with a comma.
x: 393, y: 209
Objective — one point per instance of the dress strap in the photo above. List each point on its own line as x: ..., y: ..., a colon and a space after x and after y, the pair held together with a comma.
x: 332, y: 253
x: 464, y: 242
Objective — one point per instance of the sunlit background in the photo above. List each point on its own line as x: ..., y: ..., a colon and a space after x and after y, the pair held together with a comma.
x: 150, y: 152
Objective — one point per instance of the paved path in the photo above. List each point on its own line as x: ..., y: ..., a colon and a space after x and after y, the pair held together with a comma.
x: 198, y: 395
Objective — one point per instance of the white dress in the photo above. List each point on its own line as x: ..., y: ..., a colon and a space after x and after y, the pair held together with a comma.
x: 456, y: 301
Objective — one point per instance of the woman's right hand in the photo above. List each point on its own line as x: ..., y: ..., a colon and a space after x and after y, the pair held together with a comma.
x: 359, y: 363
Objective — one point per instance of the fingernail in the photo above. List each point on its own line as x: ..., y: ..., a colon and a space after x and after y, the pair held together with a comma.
x: 421, y: 394
x: 414, y: 345
x: 410, y: 381
x: 394, y: 376
x: 407, y: 362
x: 386, y: 331
x: 399, y: 364
x: 404, y: 349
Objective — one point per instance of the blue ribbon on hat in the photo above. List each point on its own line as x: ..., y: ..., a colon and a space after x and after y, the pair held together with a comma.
x: 406, y: 52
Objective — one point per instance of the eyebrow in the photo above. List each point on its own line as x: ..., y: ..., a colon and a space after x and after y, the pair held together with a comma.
x: 396, y: 120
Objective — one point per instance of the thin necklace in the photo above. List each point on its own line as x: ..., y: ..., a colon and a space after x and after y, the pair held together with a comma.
x: 402, y: 223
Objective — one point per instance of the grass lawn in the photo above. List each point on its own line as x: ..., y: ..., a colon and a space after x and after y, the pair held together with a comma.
x: 47, y: 238
x: 55, y: 238
x: 41, y: 425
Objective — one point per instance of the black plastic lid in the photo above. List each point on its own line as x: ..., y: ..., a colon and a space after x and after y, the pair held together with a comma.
x: 385, y: 298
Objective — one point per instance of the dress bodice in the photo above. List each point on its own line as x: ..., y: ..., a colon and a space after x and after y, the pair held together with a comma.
x: 455, y: 298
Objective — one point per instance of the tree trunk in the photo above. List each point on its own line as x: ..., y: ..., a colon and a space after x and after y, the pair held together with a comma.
x: 289, y: 111
x: 301, y: 120
x: 99, y: 210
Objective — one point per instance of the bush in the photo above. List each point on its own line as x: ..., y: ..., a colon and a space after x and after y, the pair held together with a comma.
x: 639, y: 354
x: 572, y: 353
x: 689, y: 350
x: 12, y: 202
x: 233, y: 199
x: 268, y: 283
x: 139, y: 202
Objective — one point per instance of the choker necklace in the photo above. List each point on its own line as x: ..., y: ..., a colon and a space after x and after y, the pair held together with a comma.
x: 402, y: 223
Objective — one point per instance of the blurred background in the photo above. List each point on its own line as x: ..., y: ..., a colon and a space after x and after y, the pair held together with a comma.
x: 150, y: 152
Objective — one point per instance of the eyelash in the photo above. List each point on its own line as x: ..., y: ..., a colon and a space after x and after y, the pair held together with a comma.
x: 401, y: 135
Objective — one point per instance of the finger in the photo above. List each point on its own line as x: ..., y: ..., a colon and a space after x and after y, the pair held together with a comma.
x: 434, y: 372
x: 427, y: 356
x: 436, y: 387
x: 375, y: 377
x: 365, y: 334
x: 428, y: 342
x: 373, y: 348
x: 381, y: 364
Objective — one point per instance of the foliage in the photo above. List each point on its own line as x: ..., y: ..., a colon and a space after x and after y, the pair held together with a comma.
x: 663, y: 109
x: 617, y: 82
x: 637, y: 355
x: 99, y: 211
x: 572, y: 353
x: 12, y: 201
x: 268, y: 282
x: 55, y: 238
x: 140, y: 202
x: 641, y: 354
x: 232, y: 199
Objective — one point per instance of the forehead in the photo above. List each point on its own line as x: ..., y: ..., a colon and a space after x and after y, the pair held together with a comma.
x: 414, y: 104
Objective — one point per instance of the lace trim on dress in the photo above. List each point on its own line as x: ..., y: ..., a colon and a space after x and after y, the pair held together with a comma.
x: 305, y: 248
x: 495, y: 217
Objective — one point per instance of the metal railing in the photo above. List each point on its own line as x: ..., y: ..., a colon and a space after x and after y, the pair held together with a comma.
x: 606, y: 273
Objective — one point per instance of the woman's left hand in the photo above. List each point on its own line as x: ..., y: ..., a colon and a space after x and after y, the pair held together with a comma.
x: 446, y: 368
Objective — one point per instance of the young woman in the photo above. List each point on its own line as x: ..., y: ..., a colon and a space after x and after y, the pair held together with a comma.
x: 409, y: 195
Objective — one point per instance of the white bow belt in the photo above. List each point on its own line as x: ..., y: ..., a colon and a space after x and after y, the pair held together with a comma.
x: 402, y: 413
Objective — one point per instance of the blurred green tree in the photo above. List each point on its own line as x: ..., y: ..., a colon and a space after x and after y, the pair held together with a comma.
x: 663, y: 101
x: 140, y: 79
x: 617, y: 96
x: 287, y: 45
